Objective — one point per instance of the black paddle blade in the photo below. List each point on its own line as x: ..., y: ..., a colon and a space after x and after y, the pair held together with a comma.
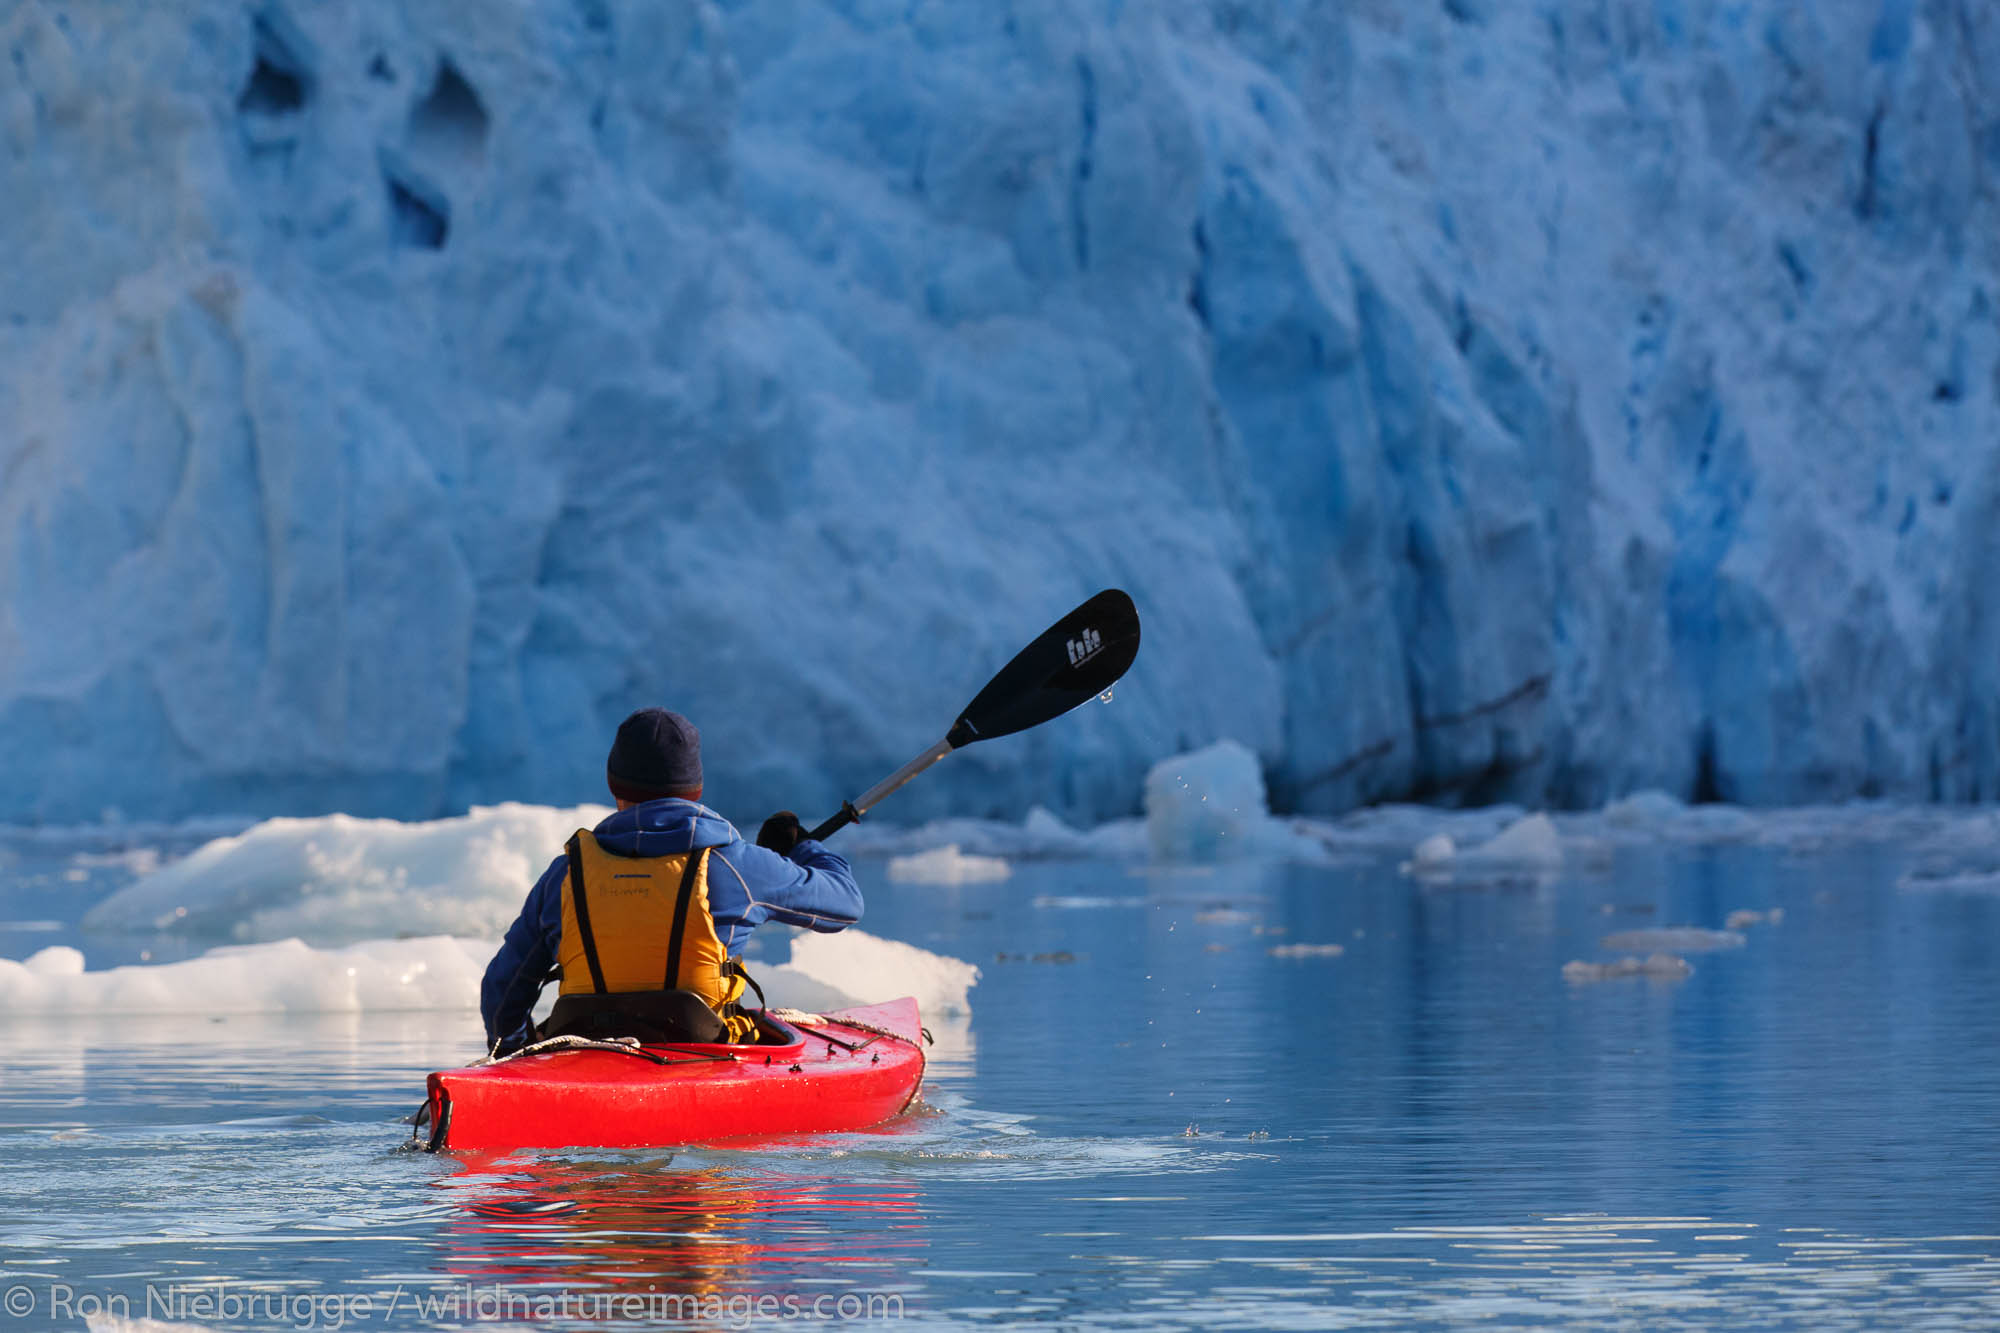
x: 1075, y: 660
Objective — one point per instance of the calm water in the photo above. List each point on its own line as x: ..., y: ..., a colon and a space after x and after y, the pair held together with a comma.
x: 1150, y: 1121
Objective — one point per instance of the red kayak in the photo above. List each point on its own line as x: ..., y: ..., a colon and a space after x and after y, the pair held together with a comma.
x: 842, y: 1070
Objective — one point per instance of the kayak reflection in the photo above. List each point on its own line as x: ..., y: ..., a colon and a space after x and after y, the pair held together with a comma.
x: 630, y: 1225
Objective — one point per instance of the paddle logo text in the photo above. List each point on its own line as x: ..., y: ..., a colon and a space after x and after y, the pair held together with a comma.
x: 1085, y: 646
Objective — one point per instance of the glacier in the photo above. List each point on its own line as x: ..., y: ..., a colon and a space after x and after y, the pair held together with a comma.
x: 1536, y: 403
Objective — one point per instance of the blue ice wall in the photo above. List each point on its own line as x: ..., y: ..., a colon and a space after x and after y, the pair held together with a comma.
x: 1532, y: 401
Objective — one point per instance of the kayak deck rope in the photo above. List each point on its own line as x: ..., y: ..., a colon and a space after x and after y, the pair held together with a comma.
x: 803, y: 1018
x: 616, y: 1045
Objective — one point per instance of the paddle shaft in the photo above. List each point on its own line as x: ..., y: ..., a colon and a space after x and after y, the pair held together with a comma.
x: 862, y: 804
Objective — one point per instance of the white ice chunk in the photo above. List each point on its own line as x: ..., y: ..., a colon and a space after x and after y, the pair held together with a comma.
x: 852, y: 967
x: 57, y: 961
x: 1745, y: 916
x: 1529, y: 845
x: 1210, y: 806
x: 1650, y: 810
x: 1433, y: 853
x: 1962, y: 857
x: 1530, y: 842
x: 947, y: 865
x: 1659, y: 967
x: 338, y: 879
x: 1307, y: 950
x: 1684, y: 939
x: 286, y: 976
x: 1206, y: 806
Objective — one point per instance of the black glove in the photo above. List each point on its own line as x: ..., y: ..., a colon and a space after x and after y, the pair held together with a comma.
x: 781, y: 833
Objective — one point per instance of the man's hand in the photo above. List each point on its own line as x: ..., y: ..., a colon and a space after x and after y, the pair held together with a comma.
x: 781, y: 833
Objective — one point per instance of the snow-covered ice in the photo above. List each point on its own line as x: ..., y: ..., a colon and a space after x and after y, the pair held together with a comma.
x: 1482, y: 402
x: 1528, y: 846
x: 1210, y: 805
x: 947, y: 865
x: 1674, y: 939
x: 336, y: 878
x: 856, y: 967
x: 1656, y: 967
x: 435, y: 973
x: 284, y: 976
x: 1306, y: 950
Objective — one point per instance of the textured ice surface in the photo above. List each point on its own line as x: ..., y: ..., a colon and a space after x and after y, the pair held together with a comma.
x: 1963, y: 855
x: 337, y: 878
x: 1685, y: 939
x: 1210, y: 805
x: 861, y: 968
x: 1530, y: 845
x: 1657, y: 967
x: 947, y: 865
x: 1307, y: 950
x: 284, y: 976
x: 1533, y: 402
x: 437, y: 972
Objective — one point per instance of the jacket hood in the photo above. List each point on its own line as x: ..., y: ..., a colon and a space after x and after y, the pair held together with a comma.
x: 662, y: 828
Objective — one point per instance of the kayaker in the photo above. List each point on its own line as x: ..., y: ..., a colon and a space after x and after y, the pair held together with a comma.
x: 647, y: 914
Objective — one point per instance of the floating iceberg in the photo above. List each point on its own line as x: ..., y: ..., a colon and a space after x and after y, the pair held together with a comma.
x: 947, y: 865
x: 336, y: 878
x: 1306, y: 950
x: 436, y: 973
x: 1530, y: 846
x: 858, y: 968
x: 284, y: 976
x: 1209, y: 805
x: 1683, y: 939
x: 1657, y: 967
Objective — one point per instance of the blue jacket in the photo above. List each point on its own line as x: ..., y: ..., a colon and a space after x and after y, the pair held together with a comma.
x: 747, y: 885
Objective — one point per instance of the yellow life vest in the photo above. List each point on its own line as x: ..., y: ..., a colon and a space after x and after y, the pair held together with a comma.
x: 642, y: 923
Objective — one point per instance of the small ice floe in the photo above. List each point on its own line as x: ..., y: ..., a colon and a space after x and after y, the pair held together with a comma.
x: 337, y: 879
x: 1964, y: 857
x: 1681, y: 939
x: 1530, y: 846
x: 1745, y: 916
x: 1654, y: 967
x: 1042, y: 836
x: 1435, y: 853
x: 1648, y: 810
x: 285, y: 976
x: 947, y: 865
x: 1210, y: 806
x: 1306, y: 950
x: 853, y: 967
x: 1660, y: 816
x: 1084, y: 903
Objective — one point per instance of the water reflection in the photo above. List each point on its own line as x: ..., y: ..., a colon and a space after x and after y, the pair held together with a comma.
x: 635, y: 1225
x: 1597, y: 1271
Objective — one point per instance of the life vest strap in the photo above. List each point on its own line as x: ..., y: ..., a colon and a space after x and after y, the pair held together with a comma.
x: 681, y: 905
x: 582, y: 905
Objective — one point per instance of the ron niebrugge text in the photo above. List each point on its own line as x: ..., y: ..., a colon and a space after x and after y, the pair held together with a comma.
x: 444, y: 1304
